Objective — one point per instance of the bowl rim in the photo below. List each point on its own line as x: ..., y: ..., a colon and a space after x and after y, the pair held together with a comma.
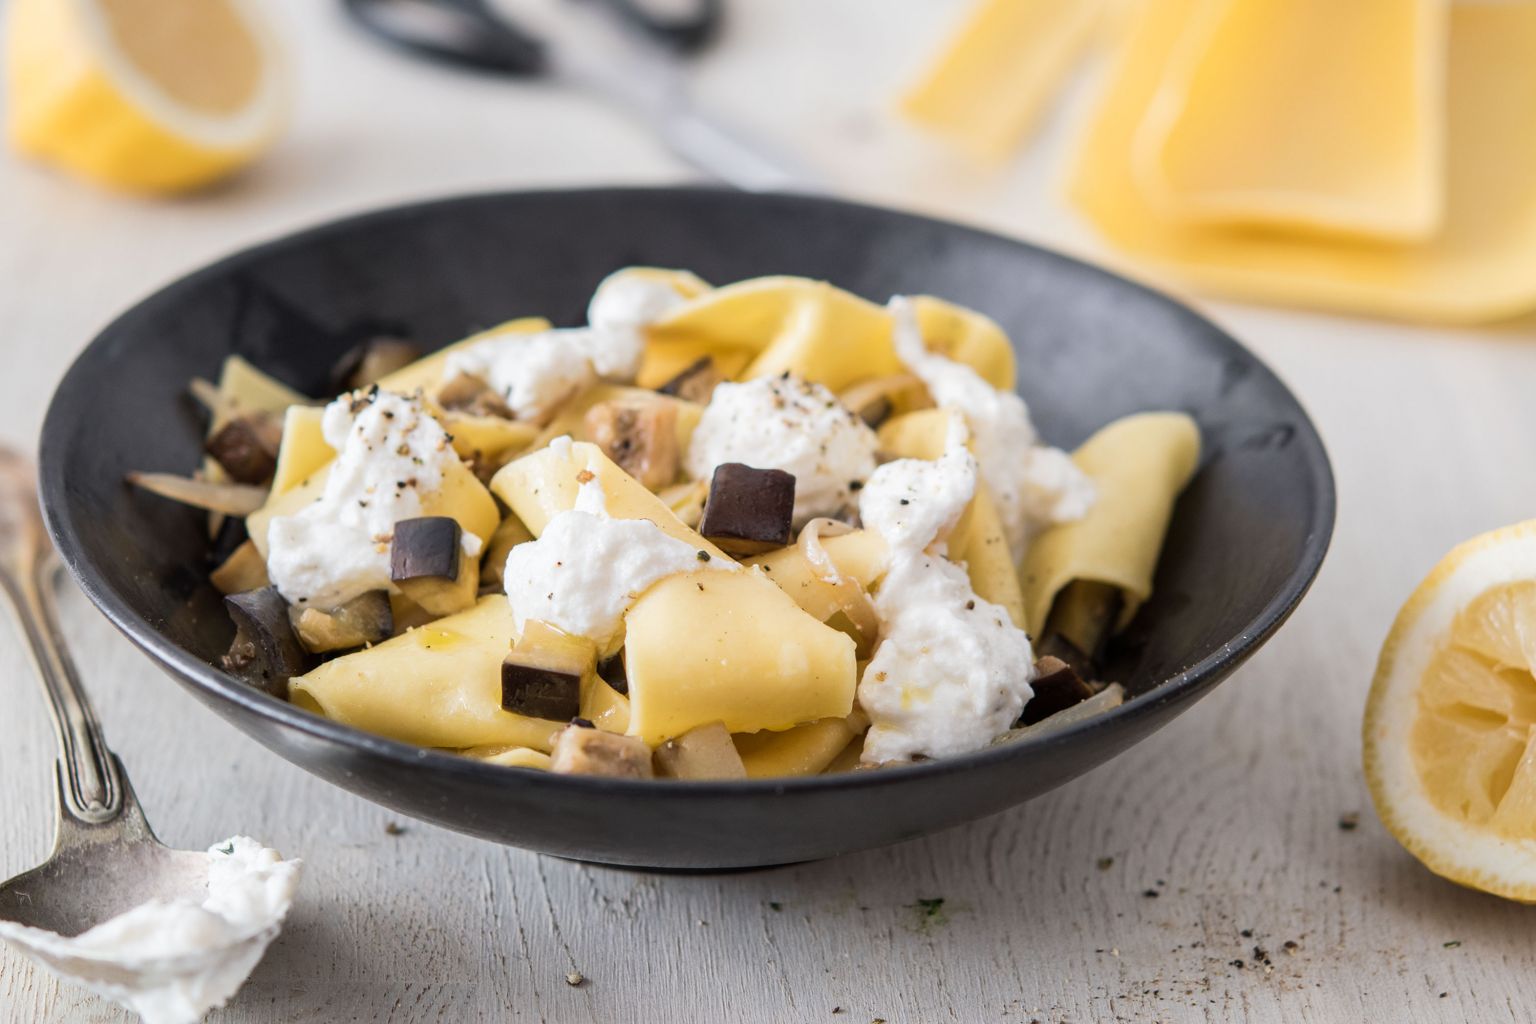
x: 213, y: 682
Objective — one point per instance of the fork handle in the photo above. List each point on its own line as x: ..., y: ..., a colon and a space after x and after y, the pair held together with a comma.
x: 91, y: 788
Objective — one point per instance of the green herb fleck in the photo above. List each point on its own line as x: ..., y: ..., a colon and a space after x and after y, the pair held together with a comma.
x: 1105, y: 863
x: 703, y: 556
x: 775, y: 905
x: 228, y: 850
x: 1453, y: 944
x: 930, y: 912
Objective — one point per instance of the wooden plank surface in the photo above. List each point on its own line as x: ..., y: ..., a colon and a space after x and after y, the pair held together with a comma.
x: 1206, y: 875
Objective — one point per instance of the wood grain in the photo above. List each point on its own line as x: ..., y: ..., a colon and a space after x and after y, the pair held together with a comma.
x: 1137, y: 893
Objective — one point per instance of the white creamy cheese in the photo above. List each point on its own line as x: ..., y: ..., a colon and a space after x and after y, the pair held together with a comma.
x: 171, y: 961
x: 631, y: 300
x: 951, y: 670
x: 1035, y: 486
x: 390, y: 452
x: 535, y: 373
x: 587, y: 568
x: 790, y: 424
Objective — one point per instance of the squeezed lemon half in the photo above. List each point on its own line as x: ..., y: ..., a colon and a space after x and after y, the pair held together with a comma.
x: 152, y: 96
x: 1450, y: 724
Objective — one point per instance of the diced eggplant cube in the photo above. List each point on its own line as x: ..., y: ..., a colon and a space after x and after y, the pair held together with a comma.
x: 640, y: 436
x: 426, y: 547
x: 749, y: 510
x: 509, y: 533
x: 580, y: 751
x: 1056, y: 687
x: 366, y: 619
x: 246, y: 447
x: 876, y: 411
x: 243, y: 570
x: 473, y: 396
x: 266, y: 651
x: 696, y: 383
x: 542, y: 675
x: 611, y: 671
x: 1080, y: 625
x: 370, y: 361
x: 539, y: 692
x: 704, y: 752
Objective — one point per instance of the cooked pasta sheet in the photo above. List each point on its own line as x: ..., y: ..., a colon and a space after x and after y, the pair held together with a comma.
x: 438, y: 685
x: 816, y: 331
x: 1139, y: 465
x: 978, y: 540
x: 700, y: 647
x: 525, y: 550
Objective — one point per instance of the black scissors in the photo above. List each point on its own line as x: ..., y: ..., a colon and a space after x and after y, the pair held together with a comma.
x: 638, y: 71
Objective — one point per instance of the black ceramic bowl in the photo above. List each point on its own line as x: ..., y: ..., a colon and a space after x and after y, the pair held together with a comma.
x: 1246, y: 540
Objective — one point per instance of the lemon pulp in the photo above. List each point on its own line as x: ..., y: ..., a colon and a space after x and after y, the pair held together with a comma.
x: 1473, y: 742
x: 200, y: 53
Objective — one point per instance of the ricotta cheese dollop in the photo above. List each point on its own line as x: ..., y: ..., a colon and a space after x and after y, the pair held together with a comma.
x: 951, y: 671
x: 587, y: 568
x: 171, y: 961
x: 535, y: 372
x: 790, y: 424
x: 390, y: 452
x: 1035, y: 485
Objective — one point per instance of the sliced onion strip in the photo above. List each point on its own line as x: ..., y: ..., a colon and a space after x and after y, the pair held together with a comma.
x: 230, y: 499
x: 843, y: 592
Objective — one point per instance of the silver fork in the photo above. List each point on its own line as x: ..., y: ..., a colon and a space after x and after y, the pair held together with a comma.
x: 105, y: 858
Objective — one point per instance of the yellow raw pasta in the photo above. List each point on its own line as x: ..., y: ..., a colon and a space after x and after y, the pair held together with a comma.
x: 1480, y: 266
x: 986, y: 90
x: 1309, y: 113
x: 438, y: 685
x: 1139, y: 465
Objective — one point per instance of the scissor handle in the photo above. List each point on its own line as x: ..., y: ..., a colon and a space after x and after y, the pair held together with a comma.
x: 684, y: 25
x: 464, y: 33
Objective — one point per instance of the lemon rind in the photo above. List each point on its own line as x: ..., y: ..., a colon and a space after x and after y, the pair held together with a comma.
x: 1447, y: 846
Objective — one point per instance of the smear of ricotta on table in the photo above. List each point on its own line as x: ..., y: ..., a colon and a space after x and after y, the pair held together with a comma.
x: 171, y: 961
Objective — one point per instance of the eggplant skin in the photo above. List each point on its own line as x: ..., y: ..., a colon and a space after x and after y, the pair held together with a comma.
x: 266, y: 651
x: 426, y: 547
x: 247, y: 447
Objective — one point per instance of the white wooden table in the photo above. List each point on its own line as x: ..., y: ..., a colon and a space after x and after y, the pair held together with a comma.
x: 1137, y: 893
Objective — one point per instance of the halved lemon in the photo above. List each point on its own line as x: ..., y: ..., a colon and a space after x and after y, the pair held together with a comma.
x: 142, y: 95
x: 1450, y: 725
